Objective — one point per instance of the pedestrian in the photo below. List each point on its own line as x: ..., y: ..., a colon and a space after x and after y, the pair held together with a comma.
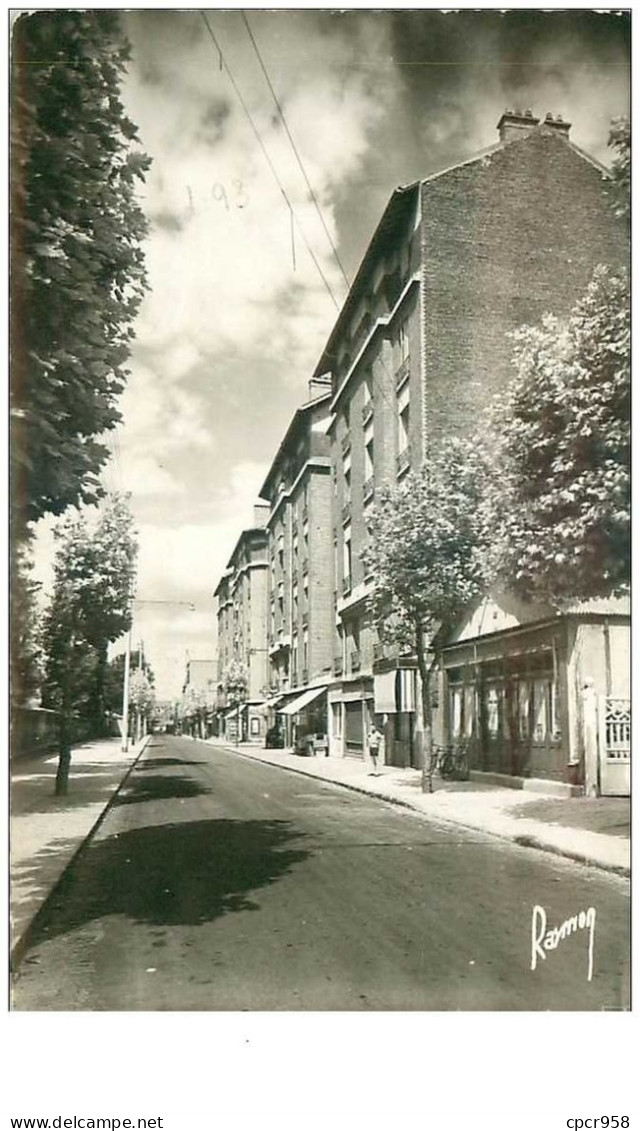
x: 374, y: 739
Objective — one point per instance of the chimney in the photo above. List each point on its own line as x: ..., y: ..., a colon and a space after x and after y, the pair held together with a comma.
x: 260, y: 514
x: 557, y: 124
x: 319, y: 385
x: 516, y: 123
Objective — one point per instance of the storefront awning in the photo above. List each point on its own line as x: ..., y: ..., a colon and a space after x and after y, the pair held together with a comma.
x: 302, y: 701
x: 272, y: 701
x: 394, y: 691
x: 231, y: 714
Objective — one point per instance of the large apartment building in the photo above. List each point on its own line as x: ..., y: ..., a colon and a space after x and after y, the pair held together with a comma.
x: 299, y: 621
x: 422, y: 344
x: 458, y: 261
x: 242, y: 621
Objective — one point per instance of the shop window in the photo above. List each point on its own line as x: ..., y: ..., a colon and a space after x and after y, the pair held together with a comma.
x: 457, y: 703
x: 255, y: 726
x: 469, y: 711
x: 524, y: 708
x: 492, y: 703
x: 540, y: 687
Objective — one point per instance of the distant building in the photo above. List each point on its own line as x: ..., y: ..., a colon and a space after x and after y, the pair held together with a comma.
x: 242, y: 625
x: 421, y: 345
x: 300, y: 614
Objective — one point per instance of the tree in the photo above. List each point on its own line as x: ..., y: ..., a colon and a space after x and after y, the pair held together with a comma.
x: 620, y: 142
x: 142, y: 699
x: 77, y: 269
x: 114, y: 679
x: 560, y: 498
x: 94, y: 573
x: 235, y: 679
x: 25, y: 646
x: 425, y: 553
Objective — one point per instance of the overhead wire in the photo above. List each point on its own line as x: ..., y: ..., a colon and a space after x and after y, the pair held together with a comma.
x: 294, y: 148
x: 265, y: 151
x: 334, y: 250
x: 224, y: 64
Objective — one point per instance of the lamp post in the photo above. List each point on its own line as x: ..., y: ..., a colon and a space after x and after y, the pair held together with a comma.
x: 127, y: 663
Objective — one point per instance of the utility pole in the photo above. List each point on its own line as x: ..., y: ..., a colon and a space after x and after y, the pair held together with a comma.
x: 125, y: 694
x: 127, y: 664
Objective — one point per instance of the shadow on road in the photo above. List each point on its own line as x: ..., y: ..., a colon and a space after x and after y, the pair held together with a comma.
x: 158, y: 787
x: 161, y: 763
x: 180, y: 874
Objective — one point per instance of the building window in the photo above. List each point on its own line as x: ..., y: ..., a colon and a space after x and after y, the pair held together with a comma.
x: 403, y: 343
x: 368, y: 452
x: 403, y: 419
x: 346, y: 554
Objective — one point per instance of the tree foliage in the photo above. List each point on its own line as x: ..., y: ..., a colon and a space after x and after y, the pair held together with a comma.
x: 25, y: 645
x: 560, y: 477
x: 77, y: 264
x: 425, y: 553
x: 94, y: 573
x: 235, y: 680
x: 114, y: 678
x: 620, y: 142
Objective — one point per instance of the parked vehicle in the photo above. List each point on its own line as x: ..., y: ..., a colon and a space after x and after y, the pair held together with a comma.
x: 274, y: 739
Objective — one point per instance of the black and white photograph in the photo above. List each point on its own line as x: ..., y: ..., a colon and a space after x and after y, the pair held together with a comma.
x: 320, y: 513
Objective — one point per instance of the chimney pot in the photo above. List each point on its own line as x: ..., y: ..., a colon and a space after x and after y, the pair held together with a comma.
x: 558, y: 125
x: 514, y: 123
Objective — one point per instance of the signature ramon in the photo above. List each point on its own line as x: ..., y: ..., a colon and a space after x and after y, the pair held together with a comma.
x: 544, y: 939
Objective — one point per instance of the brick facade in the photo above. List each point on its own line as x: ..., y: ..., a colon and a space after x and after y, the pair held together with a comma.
x: 458, y: 262
x: 421, y: 345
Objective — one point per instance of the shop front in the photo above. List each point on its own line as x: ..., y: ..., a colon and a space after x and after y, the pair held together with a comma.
x: 305, y: 721
x: 518, y: 680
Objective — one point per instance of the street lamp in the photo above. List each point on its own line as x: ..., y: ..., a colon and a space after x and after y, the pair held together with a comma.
x: 127, y: 664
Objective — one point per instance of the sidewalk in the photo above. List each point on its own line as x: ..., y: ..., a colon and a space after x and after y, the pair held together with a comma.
x: 47, y: 831
x: 590, y: 830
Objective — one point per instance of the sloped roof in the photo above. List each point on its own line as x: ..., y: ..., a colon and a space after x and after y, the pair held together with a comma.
x: 398, y: 208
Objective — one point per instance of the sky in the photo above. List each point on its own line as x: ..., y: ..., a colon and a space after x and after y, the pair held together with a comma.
x: 238, y: 312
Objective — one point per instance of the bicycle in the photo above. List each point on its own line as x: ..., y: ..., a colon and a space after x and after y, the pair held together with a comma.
x: 452, y: 762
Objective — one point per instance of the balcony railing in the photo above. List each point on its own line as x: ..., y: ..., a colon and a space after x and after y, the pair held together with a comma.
x: 346, y: 443
x: 378, y: 652
x: 368, y: 488
x: 346, y: 585
x: 402, y: 373
x: 367, y: 412
x: 403, y: 460
x: 337, y: 665
x: 354, y: 661
x: 346, y: 513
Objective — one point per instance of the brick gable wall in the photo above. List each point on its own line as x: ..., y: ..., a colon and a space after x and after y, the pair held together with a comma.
x: 505, y: 240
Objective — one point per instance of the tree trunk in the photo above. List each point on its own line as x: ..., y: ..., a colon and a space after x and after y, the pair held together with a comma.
x: 428, y: 761
x: 97, y: 698
x: 64, y: 755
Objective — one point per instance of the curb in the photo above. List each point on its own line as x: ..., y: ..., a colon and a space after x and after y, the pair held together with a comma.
x: 524, y: 840
x: 20, y: 945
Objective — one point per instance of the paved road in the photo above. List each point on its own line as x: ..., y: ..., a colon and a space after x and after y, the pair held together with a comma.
x: 219, y: 883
